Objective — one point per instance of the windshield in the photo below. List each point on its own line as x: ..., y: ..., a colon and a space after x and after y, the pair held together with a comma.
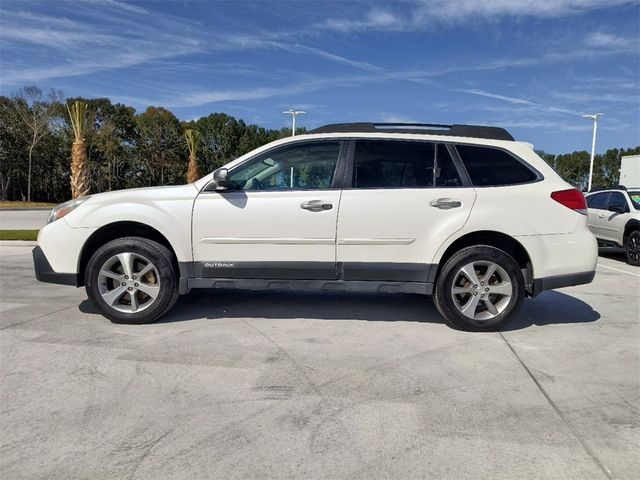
x: 634, y: 195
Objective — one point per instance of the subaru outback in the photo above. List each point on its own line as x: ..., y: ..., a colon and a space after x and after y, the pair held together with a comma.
x: 463, y: 213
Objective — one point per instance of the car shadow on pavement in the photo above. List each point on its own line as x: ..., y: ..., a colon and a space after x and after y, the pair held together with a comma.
x: 548, y: 308
x: 614, y: 254
x: 552, y: 307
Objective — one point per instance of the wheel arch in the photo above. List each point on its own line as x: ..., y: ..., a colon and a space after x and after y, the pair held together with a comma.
x: 116, y: 230
x: 491, y: 238
x: 629, y: 227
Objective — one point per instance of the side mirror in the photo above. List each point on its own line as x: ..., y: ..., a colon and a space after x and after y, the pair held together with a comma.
x: 220, y: 177
x: 617, y: 209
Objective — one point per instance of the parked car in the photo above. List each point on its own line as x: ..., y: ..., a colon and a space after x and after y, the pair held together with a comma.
x: 463, y: 213
x: 614, y: 218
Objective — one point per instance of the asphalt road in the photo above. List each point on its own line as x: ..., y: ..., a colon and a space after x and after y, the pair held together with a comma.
x: 23, y: 219
x: 292, y: 385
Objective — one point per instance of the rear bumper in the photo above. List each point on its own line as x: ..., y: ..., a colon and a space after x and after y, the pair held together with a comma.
x: 559, y: 281
x: 45, y: 273
x: 561, y: 255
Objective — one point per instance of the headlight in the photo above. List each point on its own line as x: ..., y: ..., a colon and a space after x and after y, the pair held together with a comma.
x: 66, y: 207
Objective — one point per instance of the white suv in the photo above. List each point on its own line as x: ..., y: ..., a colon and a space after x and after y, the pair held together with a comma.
x: 463, y: 213
x: 614, y: 218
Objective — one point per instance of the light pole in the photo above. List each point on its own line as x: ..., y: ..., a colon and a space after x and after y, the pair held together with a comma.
x: 595, y: 118
x: 294, y: 114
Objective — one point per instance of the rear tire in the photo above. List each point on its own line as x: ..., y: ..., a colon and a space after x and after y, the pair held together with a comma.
x: 479, y: 288
x: 132, y: 280
x: 632, y: 248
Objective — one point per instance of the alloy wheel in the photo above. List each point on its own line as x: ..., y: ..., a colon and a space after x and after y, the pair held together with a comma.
x: 633, y: 247
x: 481, y: 290
x: 128, y: 282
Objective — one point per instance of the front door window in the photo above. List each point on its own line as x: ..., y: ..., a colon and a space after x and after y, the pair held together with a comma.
x: 305, y: 166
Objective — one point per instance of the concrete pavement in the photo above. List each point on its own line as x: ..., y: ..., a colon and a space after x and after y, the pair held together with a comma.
x: 292, y: 385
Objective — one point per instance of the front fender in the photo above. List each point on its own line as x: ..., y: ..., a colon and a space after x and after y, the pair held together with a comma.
x: 168, y: 210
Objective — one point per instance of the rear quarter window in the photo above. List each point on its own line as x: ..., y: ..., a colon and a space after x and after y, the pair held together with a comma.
x: 635, y: 199
x: 491, y: 166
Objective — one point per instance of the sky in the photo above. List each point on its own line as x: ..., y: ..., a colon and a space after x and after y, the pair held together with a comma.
x: 531, y: 66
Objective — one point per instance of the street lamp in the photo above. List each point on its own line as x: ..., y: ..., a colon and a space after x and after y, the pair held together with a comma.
x: 595, y: 118
x: 294, y: 114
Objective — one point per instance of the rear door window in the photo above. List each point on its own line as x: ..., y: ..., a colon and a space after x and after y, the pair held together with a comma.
x: 402, y: 164
x: 492, y: 167
x: 617, y: 200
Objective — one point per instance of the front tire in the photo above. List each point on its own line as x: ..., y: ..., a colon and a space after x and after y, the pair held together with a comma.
x: 132, y: 280
x: 632, y: 248
x: 479, y: 288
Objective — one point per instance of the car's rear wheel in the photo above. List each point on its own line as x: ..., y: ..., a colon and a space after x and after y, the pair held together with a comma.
x: 479, y: 288
x: 132, y: 280
x: 632, y: 247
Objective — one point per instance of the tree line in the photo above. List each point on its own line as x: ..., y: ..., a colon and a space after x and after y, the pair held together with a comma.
x: 123, y: 148
x: 114, y: 147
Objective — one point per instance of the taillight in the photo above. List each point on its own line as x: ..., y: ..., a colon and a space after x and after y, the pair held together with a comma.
x: 572, y: 198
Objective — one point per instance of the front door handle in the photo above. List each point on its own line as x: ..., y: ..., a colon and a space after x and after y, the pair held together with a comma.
x: 316, y: 206
x: 445, y: 203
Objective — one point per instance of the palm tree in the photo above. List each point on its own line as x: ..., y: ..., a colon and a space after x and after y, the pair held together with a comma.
x: 192, y: 137
x: 79, y: 170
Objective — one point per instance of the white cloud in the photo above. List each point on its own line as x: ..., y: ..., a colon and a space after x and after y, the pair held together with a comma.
x: 423, y: 14
x: 333, y: 57
x: 609, y: 40
x: 517, y: 101
x: 82, y: 48
x: 374, y: 20
x: 460, y: 10
x: 127, y: 7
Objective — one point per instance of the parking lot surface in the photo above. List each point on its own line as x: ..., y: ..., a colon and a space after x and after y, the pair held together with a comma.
x: 291, y: 385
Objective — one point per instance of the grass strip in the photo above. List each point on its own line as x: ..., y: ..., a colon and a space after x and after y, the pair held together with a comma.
x: 7, y: 204
x: 18, y: 234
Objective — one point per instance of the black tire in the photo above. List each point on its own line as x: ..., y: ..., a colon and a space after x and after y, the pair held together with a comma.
x: 158, y: 255
x: 632, y: 248
x: 444, y: 299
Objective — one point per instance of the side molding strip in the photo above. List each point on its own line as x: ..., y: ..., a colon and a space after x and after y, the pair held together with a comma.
x: 376, y: 241
x: 267, y: 241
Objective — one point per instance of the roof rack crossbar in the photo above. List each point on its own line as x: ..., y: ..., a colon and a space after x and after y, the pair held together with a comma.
x: 474, y: 131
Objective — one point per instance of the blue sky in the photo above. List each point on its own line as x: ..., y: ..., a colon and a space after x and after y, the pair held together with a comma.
x: 532, y: 66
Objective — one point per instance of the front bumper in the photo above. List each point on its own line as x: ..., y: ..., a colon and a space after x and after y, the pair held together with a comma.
x: 559, y: 281
x: 45, y: 273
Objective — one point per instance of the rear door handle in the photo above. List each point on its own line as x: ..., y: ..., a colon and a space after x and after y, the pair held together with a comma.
x: 445, y: 203
x: 316, y: 206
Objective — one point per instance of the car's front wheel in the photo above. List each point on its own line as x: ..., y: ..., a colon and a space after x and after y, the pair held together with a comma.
x: 132, y: 280
x: 479, y: 288
x: 632, y: 247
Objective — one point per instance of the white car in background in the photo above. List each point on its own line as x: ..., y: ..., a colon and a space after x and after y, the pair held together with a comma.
x: 463, y: 213
x: 614, y: 218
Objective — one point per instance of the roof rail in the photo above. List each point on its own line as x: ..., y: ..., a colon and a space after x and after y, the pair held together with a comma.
x: 476, y: 131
